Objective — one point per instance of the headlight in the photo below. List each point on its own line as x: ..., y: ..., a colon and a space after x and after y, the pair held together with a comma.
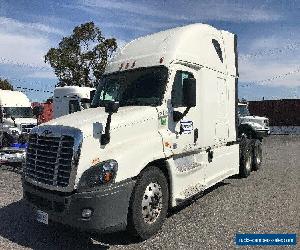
x: 100, y: 174
x: 15, y: 132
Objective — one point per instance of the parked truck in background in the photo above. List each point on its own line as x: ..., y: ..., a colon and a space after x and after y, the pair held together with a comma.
x: 162, y: 127
x: 16, y: 117
x: 70, y: 99
x: 251, y: 125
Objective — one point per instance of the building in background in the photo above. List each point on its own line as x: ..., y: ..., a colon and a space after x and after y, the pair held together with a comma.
x: 284, y: 114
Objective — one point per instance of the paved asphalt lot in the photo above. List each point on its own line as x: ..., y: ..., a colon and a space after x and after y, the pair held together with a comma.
x: 266, y: 202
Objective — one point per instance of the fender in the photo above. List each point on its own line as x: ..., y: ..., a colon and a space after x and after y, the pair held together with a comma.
x: 246, y: 129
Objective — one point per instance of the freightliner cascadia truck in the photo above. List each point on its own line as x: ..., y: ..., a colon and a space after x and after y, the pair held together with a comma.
x: 162, y: 128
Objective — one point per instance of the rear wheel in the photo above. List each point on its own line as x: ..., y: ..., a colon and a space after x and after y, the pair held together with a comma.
x: 148, y: 204
x: 245, y: 157
x: 257, y: 155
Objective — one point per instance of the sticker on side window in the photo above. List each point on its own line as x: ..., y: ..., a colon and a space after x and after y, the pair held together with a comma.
x: 186, y: 127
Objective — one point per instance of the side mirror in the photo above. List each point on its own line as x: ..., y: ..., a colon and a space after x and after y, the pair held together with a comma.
x: 189, y: 92
x: 92, y: 94
x: 111, y: 107
x: 37, y: 110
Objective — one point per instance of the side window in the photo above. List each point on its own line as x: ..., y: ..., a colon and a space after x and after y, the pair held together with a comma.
x: 177, y: 95
x: 74, y: 106
x: 218, y: 49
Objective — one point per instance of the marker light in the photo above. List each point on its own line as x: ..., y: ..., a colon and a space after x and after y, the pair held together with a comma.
x: 161, y: 60
x: 86, y: 213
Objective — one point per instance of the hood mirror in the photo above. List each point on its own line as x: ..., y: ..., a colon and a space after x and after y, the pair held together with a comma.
x: 110, y: 108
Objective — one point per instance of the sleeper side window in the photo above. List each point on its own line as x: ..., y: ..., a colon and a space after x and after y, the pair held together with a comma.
x: 177, y: 95
x: 218, y: 49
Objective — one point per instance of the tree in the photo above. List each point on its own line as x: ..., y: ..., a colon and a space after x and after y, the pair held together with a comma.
x: 80, y: 58
x: 5, y: 84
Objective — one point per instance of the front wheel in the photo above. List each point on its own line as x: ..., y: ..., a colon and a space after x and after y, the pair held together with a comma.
x: 257, y: 155
x: 148, y: 204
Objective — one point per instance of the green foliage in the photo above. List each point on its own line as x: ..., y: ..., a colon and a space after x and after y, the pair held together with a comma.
x: 80, y: 58
x: 5, y: 84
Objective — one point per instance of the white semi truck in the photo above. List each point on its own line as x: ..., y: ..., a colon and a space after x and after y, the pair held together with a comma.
x: 252, y: 126
x: 70, y: 99
x: 162, y: 128
x: 16, y: 116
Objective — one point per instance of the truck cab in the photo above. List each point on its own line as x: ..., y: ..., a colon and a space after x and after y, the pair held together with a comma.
x: 17, y: 118
x: 70, y: 99
x: 162, y: 128
x: 252, y: 125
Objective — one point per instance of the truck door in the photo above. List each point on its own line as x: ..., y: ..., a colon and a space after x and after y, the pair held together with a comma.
x: 181, y: 138
x: 183, y: 129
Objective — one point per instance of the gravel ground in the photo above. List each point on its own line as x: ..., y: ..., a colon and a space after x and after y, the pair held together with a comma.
x: 266, y: 202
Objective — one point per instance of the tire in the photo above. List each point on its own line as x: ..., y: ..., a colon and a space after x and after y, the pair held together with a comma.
x: 245, y: 157
x: 148, y: 203
x: 257, y: 155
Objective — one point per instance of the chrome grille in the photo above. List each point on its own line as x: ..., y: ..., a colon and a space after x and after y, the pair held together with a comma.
x: 49, y: 159
x: 26, y: 128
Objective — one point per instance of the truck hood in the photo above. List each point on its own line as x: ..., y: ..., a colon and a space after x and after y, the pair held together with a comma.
x: 261, y: 121
x: 8, y: 122
x: 21, y: 121
x: 85, y: 119
x: 253, y: 118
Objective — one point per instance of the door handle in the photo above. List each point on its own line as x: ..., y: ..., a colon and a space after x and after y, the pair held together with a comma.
x: 195, y: 135
x: 210, y: 154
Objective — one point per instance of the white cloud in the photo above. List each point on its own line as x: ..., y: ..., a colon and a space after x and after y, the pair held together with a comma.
x: 24, y: 45
x: 13, y: 26
x: 273, y: 57
x: 188, y: 11
x: 23, y: 50
x: 272, y: 73
x: 42, y: 74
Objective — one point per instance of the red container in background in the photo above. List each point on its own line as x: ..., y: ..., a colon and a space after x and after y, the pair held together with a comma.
x: 47, y: 114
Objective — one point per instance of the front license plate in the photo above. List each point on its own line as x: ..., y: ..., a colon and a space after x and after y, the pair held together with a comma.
x: 42, y: 217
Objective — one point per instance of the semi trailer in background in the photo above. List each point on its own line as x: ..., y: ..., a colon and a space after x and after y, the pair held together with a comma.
x: 162, y: 127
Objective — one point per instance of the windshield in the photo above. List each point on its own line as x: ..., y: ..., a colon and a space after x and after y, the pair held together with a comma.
x: 138, y: 87
x: 85, y: 103
x: 18, y: 112
x: 243, y: 110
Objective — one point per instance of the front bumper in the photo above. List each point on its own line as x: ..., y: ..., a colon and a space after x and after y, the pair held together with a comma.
x: 261, y: 133
x: 109, y: 205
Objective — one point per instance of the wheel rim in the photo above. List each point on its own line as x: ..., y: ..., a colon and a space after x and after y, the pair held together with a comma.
x: 258, y: 159
x: 248, y: 163
x: 152, y: 203
x: 257, y: 155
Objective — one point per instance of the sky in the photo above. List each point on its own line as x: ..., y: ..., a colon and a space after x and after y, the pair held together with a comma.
x: 268, y: 36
